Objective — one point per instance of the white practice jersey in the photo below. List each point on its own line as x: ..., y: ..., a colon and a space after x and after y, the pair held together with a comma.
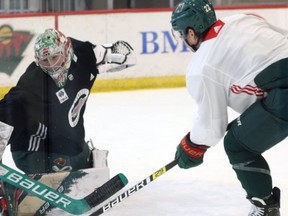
x: 222, y: 71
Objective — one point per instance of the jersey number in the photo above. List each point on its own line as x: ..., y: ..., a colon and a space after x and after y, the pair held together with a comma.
x: 207, y: 8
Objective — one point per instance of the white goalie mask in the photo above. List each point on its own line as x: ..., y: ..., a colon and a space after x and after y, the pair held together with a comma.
x: 53, y: 53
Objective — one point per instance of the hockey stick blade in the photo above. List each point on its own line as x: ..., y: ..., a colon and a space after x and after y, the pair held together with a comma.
x: 62, y: 201
x: 134, y: 189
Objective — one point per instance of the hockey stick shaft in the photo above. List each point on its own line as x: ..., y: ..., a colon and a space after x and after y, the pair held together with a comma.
x: 55, y: 198
x: 134, y: 189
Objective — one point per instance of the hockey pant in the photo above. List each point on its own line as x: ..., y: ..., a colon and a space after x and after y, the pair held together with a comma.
x: 43, y: 162
x: 263, y: 125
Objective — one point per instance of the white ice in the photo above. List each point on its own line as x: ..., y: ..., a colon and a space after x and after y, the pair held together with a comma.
x: 141, y: 130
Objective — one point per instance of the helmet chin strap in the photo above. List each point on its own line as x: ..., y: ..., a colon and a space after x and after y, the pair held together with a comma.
x: 193, y: 48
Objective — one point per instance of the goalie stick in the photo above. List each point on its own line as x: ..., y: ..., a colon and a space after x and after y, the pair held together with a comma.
x: 62, y: 201
x: 134, y: 189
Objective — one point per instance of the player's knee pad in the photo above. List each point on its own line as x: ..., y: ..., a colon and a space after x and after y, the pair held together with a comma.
x: 257, y: 129
x: 242, y: 159
x: 236, y: 152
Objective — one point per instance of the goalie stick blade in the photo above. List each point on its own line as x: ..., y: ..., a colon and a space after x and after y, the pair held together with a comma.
x: 57, y: 199
x: 134, y: 189
x: 95, y: 198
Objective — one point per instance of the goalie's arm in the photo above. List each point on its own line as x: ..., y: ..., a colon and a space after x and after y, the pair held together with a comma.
x: 114, y: 57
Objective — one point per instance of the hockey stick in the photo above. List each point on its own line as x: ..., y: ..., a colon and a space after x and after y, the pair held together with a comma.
x: 134, y: 189
x: 62, y: 201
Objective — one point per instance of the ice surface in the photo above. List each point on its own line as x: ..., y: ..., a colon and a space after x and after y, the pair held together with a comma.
x: 141, y: 130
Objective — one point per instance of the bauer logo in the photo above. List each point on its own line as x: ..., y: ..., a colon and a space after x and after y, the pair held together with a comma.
x: 125, y: 194
x: 35, y: 188
x: 160, y: 42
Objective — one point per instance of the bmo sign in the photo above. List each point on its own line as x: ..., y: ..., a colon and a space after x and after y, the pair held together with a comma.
x: 160, y: 42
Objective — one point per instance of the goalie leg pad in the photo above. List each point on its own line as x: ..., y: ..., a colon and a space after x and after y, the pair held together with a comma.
x: 99, y: 158
x: 75, y: 184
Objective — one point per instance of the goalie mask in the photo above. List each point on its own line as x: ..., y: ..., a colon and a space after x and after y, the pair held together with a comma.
x: 53, y: 53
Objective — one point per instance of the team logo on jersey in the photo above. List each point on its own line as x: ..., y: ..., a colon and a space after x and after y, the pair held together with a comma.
x: 79, y: 102
x: 60, y: 161
x: 62, y: 96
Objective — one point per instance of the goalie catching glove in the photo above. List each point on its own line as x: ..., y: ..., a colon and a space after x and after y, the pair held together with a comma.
x: 114, y: 57
x: 190, y: 154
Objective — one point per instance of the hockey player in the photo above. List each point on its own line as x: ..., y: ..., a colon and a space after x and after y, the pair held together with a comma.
x: 239, y: 62
x: 42, y: 116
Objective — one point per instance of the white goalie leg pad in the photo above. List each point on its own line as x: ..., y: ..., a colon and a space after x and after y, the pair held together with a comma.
x: 5, y: 133
x: 78, y: 185
x: 100, y: 158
